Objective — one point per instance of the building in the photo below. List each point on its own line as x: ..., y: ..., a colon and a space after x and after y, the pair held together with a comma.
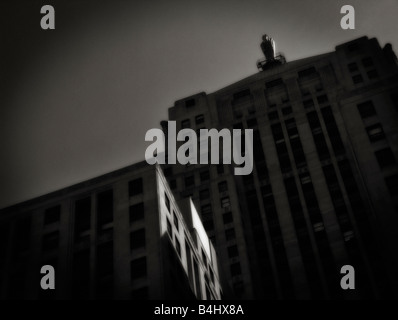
x: 121, y: 235
x: 324, y: 189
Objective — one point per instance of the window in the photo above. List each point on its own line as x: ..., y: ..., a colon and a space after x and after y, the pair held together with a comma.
x: 352, y: 67
x: 357, y: 79
x: 222, y: 186
x: 167, y: 201
x: 140, y: 294
x: 307, y: 72
x: 178, y: 247
x: 274, y: 83
x: 173, y: 184
x: 135, y: 187
x: 251, y: 123
x: 82, y: 215
x: 287, y: 110
x: 235, y: 269
x: 308, y: 103
x: 375, y: 132
x: 220, y: 169
x: 138, y: 268
x: 241, y: 94
x: 168, y: 171
x: 105, y: 207
x: 52, y: 215
x: 392, y: 184
x: 229, y: 233
x: 273, y: 115
x: 208, y: 225
x: 204, y: 257
x: 175, y: 219
x: 199, y: 119
x: 367, y: 62
x: 105, y: 259
x: 204, y: 194
x: 51, y: 241
x: 372, y: 74
x: 366, y: 109
x: 305, y: 178
x: 322, y: 99
x: 185, y: 123
x: 136, y: 212
x: 227, y: 217
x: 169, y: 229
x: 205, y: 210
x: 189, y: 181
x: 233, y: 251
x: 385, y: 157
x: 137, y: 239
x: 204, y: 175
x: 190, y: 103
x: 225, y: 202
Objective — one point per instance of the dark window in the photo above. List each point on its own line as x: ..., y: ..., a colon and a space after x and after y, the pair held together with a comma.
x: 208, y: 225
x: 185, y: 123
x: 357, y: 78
x: 220, y: 168
x: 105, y: 259
x: 137, y: 212
x: 392, y: 184
x: 206, y: 209
x: 274, y: 83
x: 366, y: 109
x: 308, y: 103
x: 287, y: 110
x: 168, y: 171
x: 307, y: 72
x: 190, y: 103
x: 199, y: 119
x: 225, y: 202
x: 367, y: 62
x: 189, y: 181
x: 385, y: 157
x: 235, y: 269
x: 167, y: 201
x: 375, y: 132
x: 273, y: 115
x: 140, y: 294
x: 175, y: 219
x: 204, y: 194
x: 169, y: 229
x: 372, y: 74
x: 137, y: 239
x: 135, y: 187
x: 241, y: 94
x: 105, y: 207
x: 222, y: 186
x: 227, y: 217
x: 204, y: 175
x: 352, y: 67
x: 51, y: 241
x: 229, y: 233
x: 233, y: 251
x: 82, y: 215
x: 52, y: 214
x: 138, y: 268
x: 173, y: 184
x: 204, y: 258
x: 322, y: 99
x: 251, y: 123
x: 178, y: 247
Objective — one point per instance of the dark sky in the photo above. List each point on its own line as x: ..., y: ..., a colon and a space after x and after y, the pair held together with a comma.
x: 76, y: 102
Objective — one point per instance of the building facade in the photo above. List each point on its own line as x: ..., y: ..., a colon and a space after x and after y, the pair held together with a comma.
x: 324, y: 189
x: 121, y: 235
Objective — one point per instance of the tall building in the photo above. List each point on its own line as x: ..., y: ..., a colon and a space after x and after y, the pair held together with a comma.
x: 324, y: 189
x: 121, y: 235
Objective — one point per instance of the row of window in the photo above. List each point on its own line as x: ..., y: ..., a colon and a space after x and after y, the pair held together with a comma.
x: 199, y: 119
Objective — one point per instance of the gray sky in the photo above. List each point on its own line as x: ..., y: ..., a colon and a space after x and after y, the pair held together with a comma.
x: 77, y: 101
